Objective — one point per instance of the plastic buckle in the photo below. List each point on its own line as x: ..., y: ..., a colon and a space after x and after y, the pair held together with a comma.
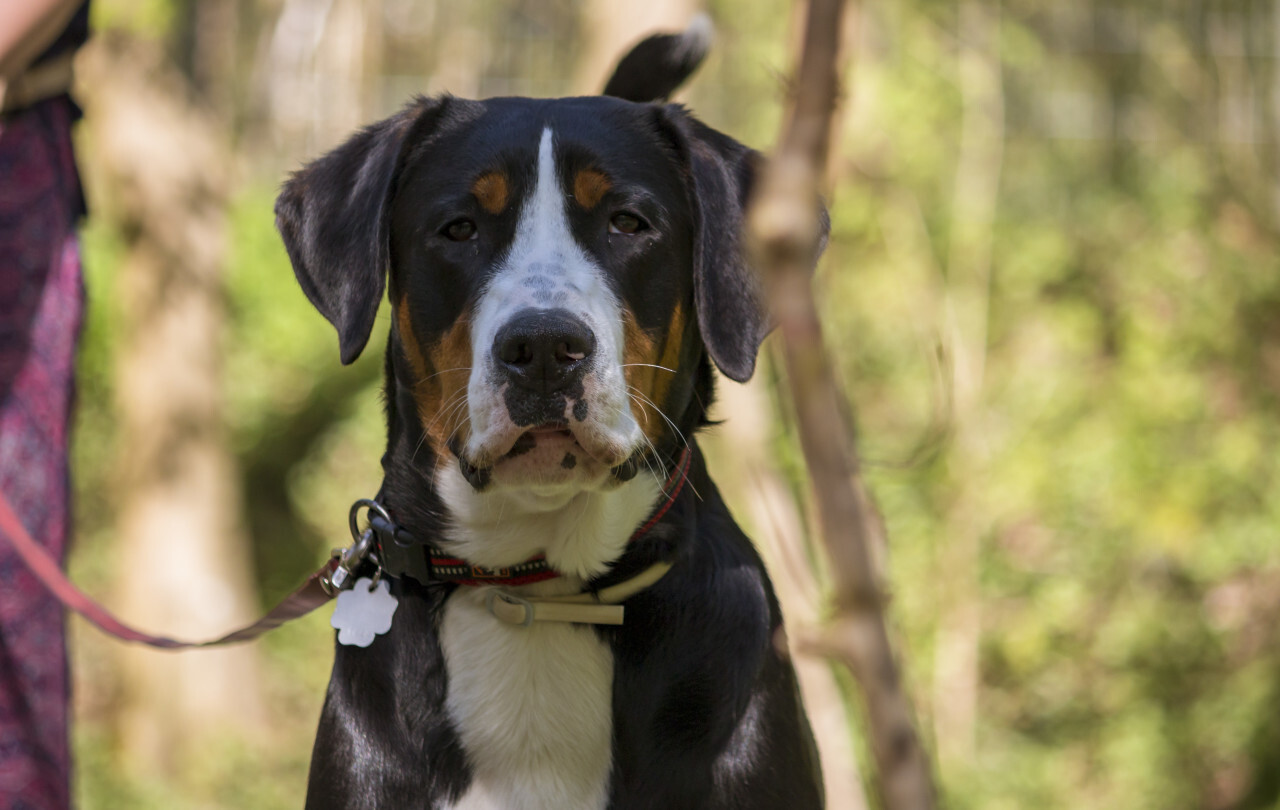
x: 510, y: 599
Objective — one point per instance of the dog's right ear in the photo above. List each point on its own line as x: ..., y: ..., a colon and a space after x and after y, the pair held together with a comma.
x: 333, y: 215
x: 657, y: 65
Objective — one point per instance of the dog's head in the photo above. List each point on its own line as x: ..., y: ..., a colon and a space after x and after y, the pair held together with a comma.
x: 559, y: 271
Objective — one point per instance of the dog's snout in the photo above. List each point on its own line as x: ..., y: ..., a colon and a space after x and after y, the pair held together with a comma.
x: 544, y: 350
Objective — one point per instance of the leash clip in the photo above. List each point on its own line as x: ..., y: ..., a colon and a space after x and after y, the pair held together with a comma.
x: 362, y: 548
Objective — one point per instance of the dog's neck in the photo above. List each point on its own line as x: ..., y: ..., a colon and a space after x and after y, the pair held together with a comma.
x: 581, y: 533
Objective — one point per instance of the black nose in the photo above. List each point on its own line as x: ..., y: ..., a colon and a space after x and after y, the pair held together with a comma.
x: 544, y: 350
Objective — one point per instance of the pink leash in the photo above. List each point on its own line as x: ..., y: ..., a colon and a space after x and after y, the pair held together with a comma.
x: 309, y: 596
x: 305, y: 599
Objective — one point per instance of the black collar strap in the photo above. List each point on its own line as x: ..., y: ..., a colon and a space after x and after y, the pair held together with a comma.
x: 401, y: 554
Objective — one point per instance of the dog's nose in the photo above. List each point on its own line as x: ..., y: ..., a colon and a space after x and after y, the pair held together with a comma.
x: 544, y: 350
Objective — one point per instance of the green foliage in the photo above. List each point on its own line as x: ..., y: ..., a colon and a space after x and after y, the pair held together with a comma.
x: 1123, y: 477
x: 152, y: 19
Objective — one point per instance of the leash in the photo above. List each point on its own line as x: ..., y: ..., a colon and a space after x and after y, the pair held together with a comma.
x: 308, y: 597
x: 336, y: 576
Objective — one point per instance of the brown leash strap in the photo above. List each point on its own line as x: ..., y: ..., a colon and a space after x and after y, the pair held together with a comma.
x: 305, y: 599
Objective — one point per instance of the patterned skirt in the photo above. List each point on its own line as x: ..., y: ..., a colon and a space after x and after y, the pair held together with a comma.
x: 41, y: 303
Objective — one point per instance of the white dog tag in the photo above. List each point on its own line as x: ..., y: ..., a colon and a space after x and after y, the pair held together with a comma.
x: 363, y: 612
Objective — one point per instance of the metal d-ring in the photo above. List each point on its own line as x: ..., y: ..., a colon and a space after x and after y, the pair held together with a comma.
x: 353, y: 518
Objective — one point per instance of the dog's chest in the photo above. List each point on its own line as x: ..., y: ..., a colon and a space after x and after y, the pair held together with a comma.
x: 533, y: 707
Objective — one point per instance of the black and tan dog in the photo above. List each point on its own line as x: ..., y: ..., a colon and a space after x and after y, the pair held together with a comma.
x: 562, y: 273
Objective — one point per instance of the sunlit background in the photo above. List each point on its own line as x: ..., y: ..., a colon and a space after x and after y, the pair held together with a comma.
x: 1053, y: 290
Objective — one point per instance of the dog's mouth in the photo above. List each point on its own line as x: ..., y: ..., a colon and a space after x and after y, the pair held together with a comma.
x: 542, y: 435
x: 550, y: 453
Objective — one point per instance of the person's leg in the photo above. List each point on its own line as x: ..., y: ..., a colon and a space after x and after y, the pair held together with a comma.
x: 41, y: 302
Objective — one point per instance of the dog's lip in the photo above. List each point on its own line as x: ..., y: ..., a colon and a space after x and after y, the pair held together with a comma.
x: 571, y: 436
x: 551, y: 429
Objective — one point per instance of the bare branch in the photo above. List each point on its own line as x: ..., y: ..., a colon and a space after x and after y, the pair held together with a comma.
x: 784, y: 228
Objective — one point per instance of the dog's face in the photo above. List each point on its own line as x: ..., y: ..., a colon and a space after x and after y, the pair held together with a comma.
x: 534, y: 257
x: 559, y: 272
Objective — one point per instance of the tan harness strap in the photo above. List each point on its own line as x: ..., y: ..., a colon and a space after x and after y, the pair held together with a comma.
x: 599, y: 607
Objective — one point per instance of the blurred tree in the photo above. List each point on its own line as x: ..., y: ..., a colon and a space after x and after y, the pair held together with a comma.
x: 183, y: 558
x: 966, y: 308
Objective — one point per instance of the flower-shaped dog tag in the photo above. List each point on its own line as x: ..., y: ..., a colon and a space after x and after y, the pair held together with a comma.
x: 363, y: 612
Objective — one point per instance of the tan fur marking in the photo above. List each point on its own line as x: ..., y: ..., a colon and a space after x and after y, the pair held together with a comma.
x: 670, y: 356
x: 589, y: 187
x: 492, y: 191
x: 645, y: 371
x: 442, y: 372
x: 404, y: 325
x: 451, y: 357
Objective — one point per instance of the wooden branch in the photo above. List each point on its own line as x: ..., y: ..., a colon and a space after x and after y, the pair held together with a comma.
x: 784, y: 233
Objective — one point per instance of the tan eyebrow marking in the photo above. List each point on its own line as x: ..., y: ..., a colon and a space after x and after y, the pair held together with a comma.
x: 492, y: 191
x: 590, y: 186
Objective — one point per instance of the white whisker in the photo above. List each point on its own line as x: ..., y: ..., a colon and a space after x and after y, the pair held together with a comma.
x: 648, y: 365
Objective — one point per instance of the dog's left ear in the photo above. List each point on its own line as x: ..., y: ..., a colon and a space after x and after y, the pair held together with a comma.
x: 733, y: 315
x: 333, y: 215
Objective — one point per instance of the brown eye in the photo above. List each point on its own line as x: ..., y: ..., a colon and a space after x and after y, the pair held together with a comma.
x: 623, y: 222
x: 460, y: 230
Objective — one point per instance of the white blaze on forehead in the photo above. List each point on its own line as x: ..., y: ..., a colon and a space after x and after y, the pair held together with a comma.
x: 546, y: 268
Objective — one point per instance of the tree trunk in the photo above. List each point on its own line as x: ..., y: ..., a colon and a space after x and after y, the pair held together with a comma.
x: 182, y: 554
x: 977, y: 185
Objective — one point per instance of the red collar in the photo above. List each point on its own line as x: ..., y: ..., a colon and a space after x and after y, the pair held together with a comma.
x: 442, y: 567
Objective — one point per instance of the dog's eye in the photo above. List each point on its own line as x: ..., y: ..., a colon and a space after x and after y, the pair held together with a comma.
x: 626, y: 223
x: 460, y: 230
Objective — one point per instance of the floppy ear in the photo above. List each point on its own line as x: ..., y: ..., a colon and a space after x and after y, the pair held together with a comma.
x: 733, y: 315
x: 333, y: 216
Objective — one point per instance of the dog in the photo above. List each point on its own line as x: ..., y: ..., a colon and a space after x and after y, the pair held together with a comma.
x: 562, y: 275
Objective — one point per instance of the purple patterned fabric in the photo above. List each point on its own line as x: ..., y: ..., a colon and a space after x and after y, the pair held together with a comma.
x: 41, y: 302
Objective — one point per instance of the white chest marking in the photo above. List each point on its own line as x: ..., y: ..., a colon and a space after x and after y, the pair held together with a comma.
x: 533, y: 706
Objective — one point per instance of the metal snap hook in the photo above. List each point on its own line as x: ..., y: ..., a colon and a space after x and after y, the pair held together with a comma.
x: 363, y: 547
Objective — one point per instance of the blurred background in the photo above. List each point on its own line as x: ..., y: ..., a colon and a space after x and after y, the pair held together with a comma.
x: 1053, y: 291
